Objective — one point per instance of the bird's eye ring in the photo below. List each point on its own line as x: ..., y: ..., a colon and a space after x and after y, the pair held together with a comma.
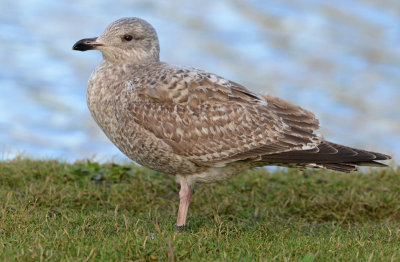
x: 128, y: 37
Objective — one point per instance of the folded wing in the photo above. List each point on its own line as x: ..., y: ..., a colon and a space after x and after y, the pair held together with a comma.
x: 213, y: 121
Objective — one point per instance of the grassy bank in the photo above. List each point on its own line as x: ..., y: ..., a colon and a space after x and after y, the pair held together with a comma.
x: 90, y: 212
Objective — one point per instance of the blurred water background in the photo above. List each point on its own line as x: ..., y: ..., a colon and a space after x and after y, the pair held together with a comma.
x: 340, y: 59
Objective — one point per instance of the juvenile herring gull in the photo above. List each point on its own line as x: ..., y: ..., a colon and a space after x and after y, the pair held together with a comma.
x: 194, y: 124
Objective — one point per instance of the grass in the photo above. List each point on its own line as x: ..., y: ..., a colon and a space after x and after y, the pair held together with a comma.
x: 54, y: 211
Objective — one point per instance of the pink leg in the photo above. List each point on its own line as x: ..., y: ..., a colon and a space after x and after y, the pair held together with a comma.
x: 184, y: 194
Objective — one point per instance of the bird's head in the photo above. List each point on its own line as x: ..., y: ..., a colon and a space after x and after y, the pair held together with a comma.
x: 127, y: 40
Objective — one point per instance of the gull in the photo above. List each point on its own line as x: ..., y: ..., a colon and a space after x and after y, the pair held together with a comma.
x: 196, y: 125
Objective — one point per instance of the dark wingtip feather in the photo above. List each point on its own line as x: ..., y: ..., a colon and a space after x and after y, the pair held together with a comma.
x: 331, y: 156
x: 379, y: 156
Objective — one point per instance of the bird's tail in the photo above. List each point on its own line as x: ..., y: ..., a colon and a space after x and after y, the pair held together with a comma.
x: 329, y: 155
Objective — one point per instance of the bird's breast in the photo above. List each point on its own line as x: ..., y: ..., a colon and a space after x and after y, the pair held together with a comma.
x: 109, y: 104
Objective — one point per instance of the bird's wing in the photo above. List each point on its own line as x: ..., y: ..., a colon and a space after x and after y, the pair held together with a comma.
x: 211, y: 120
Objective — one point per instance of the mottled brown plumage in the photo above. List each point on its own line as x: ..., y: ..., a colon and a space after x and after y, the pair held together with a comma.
x: 196, y: 125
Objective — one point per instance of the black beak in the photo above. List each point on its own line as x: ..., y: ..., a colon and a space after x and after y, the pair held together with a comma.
x: 86, y: 44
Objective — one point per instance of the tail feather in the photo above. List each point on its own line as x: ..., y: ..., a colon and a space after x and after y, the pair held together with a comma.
x: 329, y: 155
x: 346, y: 168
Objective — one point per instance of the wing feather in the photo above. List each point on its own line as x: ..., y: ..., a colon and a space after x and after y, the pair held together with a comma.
x: 211, y: 120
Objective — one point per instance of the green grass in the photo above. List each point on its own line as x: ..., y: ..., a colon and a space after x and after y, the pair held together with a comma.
x: 55, y: 211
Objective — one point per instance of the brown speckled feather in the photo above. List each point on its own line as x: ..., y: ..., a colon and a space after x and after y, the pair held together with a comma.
x: 210, y: 120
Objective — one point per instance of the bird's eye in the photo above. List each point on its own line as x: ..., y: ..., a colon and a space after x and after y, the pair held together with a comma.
x: 128, y: 37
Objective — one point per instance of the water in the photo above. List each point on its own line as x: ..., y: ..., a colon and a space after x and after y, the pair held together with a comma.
x: 340, y: 59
